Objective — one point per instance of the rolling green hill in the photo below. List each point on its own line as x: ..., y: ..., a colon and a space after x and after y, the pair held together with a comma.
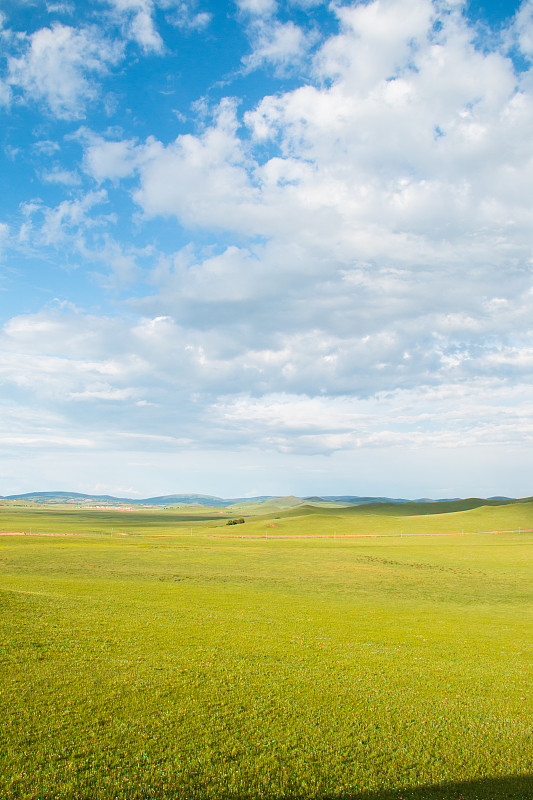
x: 261, y: 519
x: 259, y: 504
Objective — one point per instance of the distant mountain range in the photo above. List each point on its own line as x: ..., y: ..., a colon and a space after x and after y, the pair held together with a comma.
x: 76, y: 498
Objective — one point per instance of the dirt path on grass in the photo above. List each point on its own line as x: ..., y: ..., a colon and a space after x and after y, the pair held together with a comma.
x: 358, y: 535
x: 34, y: 533
x: 275, y: 536
x: 27, y: 533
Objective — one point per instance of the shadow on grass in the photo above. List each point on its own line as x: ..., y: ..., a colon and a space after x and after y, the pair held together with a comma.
x: 514, y: 787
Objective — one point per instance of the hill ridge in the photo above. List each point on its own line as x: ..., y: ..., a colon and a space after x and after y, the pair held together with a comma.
x: 213, y: 501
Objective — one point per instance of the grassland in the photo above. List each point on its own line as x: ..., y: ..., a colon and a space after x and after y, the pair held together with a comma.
x: 304, y: 520
x: 165, y: 665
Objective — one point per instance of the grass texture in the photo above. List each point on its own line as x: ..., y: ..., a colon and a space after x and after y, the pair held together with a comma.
x: 165, y: 666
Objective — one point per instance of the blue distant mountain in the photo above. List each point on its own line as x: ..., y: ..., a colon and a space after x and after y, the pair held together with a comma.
x: 78, y: 498
x: 353, y: 499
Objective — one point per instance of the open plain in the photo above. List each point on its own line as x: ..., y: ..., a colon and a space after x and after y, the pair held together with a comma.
x: 364, y: 653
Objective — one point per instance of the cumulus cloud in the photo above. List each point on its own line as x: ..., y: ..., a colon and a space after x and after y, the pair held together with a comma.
x: 111, y: 160
x: 522, y: 30
x: 36, y: 356
x: 56, y: 66
x: 200, y: 179
x: 281, y: 44
x: 411, y: 162
x: 263, y: 8
x: 278, y: 44
x: 379, y: 229
x: 61, y: 176
x: 68, y: 219
x: 138, y: 19
x: 186, y: 16
x: 138, y: 22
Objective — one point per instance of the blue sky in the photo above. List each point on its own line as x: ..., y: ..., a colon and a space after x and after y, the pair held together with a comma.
x: 265, y: 247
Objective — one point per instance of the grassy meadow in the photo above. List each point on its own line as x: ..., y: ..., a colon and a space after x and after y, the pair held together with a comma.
x: 160, y: 664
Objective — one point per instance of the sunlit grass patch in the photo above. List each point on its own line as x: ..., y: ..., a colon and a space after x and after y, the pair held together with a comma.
x: 198, y: 667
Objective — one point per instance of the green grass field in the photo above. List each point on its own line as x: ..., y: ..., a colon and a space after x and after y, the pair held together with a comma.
x: 165, y: 665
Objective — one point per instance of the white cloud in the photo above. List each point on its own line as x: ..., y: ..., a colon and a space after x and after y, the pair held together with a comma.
x: 62, y: 176
x: 449, y: 416
x: 187, y: 17
x: 101, y: 391
x: 121, y: 263
x: 45, y: 441
x: 57, y: 64
x: 282, y: 45
x: 79, y: 228
x: 137, y: 19
x: 110, y: 160
x: 259, y: 8
x: 5, y: 94
x: 425, y: 167
x: 397, y: 198
x: 69, y: 217
x: 522, y: 30
x: 81, y: 382
x: 279, y: 43
x: 377, y: 39
x: 143, y: 31
x: 61, y: 8
x: 45, y: 147
x: 201, y: 179
x: 306, y: 4
x: 61, y: 356
x: 68, y: 357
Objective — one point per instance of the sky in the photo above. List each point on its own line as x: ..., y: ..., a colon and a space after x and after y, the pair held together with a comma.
x: 266, y: 247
